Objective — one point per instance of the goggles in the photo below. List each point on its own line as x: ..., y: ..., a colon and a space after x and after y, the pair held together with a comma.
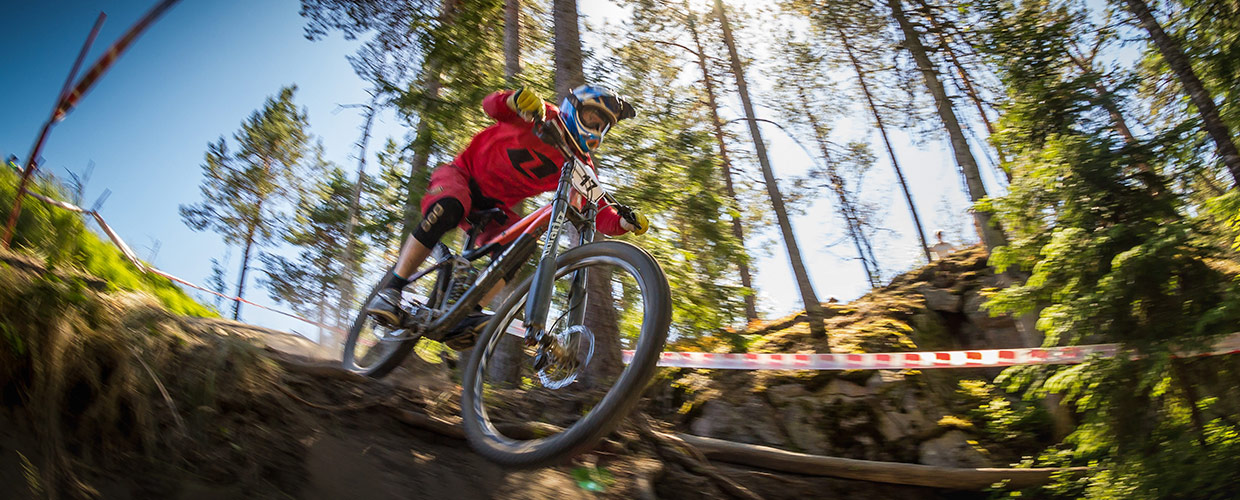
x: 595, y: 120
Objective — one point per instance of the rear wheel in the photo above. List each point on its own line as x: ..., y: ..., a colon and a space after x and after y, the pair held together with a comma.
x: 374, y: 350
x: 566, y: 401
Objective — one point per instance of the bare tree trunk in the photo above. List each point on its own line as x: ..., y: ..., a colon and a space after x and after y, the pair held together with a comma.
x: 568, y: 66
x: 1175, y: 57
x: 355, y: 205
x: 847, y: 209
x: 506, y: 363
x: 512, y: 38
x: 813, y: 308
x: 738, y: 231
x: 967, y: 86
x: 245, y: 268
x: 991, y: 235
x: 882, y: 130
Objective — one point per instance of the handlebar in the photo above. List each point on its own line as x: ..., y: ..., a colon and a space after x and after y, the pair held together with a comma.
x: 548, y: 132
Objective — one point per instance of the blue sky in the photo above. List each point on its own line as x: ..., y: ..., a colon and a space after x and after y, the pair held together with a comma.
x: 206, y: 65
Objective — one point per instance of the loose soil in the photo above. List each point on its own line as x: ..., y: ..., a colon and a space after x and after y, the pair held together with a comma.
x: 106, y: 395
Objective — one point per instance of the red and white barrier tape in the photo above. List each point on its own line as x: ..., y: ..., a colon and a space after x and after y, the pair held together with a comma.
x: 919, y: 360
x: 914, y: 360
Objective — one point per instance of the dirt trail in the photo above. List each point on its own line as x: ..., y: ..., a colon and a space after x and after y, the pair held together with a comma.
x: 107, y: 395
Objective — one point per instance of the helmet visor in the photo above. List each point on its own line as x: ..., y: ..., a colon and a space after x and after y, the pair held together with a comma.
x: 595, y: 120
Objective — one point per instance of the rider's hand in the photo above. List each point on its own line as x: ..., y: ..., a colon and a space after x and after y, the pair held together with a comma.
x: 528, y: 105
x: 635, y: 223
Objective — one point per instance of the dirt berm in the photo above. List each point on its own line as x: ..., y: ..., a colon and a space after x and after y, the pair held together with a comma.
x: 107, y: 395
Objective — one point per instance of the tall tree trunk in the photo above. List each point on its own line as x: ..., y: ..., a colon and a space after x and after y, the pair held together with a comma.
x: 966, y: 82
x: 506, y: 364
x: 512, y: 39
x: 882, y: 130
x: 738, y: 231
x: 424, y: 140
x: 355, y: 205
x: 600, y: 314
x: 991, y: 235
x: 813, y: 308
x: 1175, y: 57
x: 568, y: 66
x: 245, y: 268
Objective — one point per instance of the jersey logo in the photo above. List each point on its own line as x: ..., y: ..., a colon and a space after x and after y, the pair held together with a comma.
x: 523, y: 160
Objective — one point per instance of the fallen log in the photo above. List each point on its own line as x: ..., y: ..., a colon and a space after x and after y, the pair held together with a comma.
x: 865, y: 470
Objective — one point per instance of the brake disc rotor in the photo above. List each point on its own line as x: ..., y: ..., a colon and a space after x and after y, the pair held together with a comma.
x: 569, y: 352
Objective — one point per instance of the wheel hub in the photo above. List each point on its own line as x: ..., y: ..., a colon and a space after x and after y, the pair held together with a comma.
x: 563, y: 356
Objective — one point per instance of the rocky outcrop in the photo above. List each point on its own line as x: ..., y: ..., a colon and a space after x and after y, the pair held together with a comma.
x: 905, y: 416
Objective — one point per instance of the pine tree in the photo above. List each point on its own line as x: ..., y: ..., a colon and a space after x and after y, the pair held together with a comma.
x: 807, y: 99
x: 242, y: 191
x: 725, y: 161
x: 311, y: 283
x: 1118, y: 260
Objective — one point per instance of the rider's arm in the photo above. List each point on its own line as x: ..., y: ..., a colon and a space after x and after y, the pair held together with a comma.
x: 496, y: 106
x: 608, y: 220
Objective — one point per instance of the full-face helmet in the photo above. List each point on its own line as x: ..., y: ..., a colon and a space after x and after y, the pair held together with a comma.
x: 590, y: 111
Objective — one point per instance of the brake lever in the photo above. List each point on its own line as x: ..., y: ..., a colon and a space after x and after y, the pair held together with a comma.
x: 626, y: 213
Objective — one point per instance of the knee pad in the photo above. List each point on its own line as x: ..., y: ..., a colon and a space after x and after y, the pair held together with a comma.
x: 439, y: 218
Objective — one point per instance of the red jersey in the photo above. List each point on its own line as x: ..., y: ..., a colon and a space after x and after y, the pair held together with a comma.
x: 509, y: 163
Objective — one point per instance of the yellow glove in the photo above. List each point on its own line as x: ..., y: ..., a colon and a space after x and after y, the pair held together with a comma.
x: 638, y: 225
x: 528, y: 105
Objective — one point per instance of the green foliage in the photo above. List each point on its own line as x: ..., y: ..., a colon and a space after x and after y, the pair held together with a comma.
x: 242, y: 191
x: 1114, y: 256
x: 312, y: 282
x: 665, y: 164
x: 62, y: 239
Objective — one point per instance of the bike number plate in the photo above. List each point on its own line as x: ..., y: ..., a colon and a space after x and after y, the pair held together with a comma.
x: 585, y: 182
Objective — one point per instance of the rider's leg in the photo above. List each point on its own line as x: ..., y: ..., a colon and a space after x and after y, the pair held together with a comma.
x: 438, y: 218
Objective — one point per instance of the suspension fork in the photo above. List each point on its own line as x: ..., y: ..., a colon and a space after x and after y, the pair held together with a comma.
x: 539, y: 302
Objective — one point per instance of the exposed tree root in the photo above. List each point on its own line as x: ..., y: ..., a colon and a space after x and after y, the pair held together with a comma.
x: 315, y: 368
x: 672, y: 448
x: 881, y: 472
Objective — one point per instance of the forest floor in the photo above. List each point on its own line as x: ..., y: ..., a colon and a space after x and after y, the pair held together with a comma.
x: 106, y: 395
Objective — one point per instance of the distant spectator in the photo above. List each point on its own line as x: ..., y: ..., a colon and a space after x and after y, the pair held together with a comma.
x: 941, y: 249
x: 12, y: 162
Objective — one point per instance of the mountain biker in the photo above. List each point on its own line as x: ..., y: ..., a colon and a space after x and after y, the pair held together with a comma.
x: 504, y: 164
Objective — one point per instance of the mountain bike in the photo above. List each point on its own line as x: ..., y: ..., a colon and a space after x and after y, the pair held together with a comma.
x: 530, y: 395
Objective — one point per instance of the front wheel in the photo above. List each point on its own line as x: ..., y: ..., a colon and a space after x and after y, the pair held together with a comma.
x: 526, y: 412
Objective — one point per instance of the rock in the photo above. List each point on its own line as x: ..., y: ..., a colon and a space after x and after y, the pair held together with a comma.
x: 938, y: 299
x: 1002, y: 338
x: 894, y: 425
x: 838, y: 388
x: 951, y: 450
x: 781, y: 395
x: 749, y: 422
x: 981, y: 317
x: 799, y: 426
